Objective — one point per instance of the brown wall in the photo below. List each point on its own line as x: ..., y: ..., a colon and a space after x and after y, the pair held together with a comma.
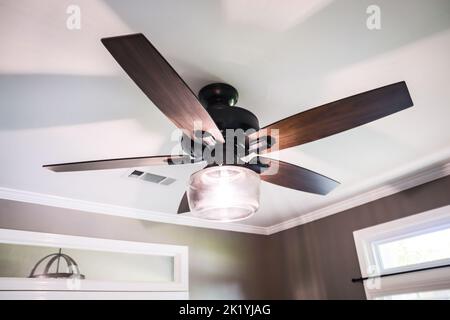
x: 222, y: 264
x: 317, y: 260
x: 313, y: 261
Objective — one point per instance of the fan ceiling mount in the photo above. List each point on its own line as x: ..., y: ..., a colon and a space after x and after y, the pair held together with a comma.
x: 228, y: 189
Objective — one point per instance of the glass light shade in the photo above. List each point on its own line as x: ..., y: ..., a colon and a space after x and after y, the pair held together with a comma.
x: 224, y: 193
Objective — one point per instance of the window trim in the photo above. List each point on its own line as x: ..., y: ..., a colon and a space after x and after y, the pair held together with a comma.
x: 366, y: 239
x: 178, y: 288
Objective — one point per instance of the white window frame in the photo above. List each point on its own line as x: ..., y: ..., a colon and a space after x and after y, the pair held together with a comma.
x: 367, y: 239
x: 27, y: 288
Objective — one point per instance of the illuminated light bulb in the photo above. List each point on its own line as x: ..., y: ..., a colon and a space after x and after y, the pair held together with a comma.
x: 224, y: 193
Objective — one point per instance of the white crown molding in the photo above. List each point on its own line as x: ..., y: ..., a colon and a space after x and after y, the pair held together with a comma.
x: 95, y: 207
x: 432, y: 173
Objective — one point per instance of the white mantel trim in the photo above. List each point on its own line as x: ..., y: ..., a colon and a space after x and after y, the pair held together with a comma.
x: 103, y: 208
x: 432, y: 173
x: 399, y: 185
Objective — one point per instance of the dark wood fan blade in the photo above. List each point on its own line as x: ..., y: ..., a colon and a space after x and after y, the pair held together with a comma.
x: 118, y: 163
x: 298, y: 178
x: 161, y: 83
x: 338, y: 116
x: 184, y: 205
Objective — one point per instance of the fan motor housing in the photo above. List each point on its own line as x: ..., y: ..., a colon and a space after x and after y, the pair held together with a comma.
x: 219, y: 99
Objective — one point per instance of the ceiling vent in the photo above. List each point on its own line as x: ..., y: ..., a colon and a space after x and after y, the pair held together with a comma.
x: 150, y: 177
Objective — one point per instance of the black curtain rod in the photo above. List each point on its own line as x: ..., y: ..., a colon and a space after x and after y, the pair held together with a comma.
x: 397, y: 273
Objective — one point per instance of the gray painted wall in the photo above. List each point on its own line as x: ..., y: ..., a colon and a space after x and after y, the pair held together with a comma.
x: 317, y: 260
x: 313, y: 261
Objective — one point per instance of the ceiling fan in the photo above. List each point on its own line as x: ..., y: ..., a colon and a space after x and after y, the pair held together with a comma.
x: 228, y: 189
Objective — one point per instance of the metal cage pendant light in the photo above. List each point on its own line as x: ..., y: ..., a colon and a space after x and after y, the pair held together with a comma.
x: 72, y: 267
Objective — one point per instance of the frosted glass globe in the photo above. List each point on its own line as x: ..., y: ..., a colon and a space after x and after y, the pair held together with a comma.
x: 224, y: 193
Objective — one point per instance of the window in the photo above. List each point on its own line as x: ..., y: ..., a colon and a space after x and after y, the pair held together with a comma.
x: 424, y: 295
x: 17, y: 261
x: 100, y: 268
x: 415, y: 242
x: 415, y: 249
